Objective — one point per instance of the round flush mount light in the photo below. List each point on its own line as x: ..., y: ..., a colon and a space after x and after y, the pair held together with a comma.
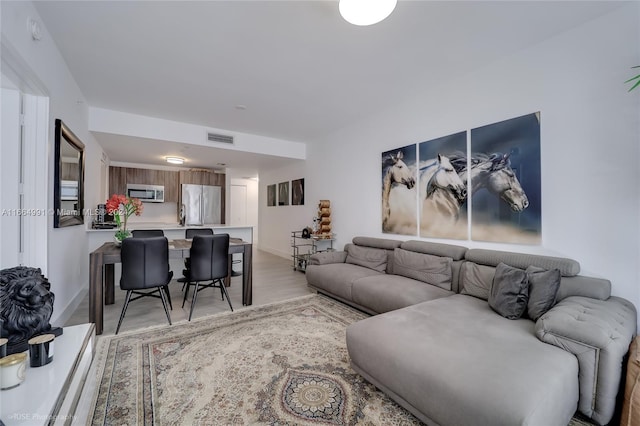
x: 175, y: 160
x: 366, y: 12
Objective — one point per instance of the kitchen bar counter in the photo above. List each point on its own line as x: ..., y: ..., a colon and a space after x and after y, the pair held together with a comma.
x: 173, y: 227
x: 172, y: 231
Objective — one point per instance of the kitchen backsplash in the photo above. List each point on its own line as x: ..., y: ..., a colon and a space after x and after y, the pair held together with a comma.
x: 157, y: 212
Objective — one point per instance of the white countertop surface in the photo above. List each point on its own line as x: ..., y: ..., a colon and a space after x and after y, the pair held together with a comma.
x: 170, y: 226
x: 32, y: 402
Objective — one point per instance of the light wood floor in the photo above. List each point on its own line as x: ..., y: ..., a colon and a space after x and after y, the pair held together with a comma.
x: 274, y: 280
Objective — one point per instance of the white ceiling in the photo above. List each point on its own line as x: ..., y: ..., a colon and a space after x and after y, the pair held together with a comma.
x: 300, y: 70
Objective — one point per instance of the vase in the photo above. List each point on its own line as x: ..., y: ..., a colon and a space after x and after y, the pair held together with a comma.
x: 117, y: 239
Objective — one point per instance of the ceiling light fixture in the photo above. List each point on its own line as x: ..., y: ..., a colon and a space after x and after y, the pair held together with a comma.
x: 175, y: 160
x: 366, y: 12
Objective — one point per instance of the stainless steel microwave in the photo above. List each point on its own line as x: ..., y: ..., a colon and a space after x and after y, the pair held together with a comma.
x: 146, y: 193
x: 69, y: 190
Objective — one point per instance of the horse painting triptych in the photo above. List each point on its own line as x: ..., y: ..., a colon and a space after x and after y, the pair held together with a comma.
x: 436, y: 190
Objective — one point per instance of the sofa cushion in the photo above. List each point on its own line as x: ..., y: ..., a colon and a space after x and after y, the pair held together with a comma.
x: 568, y: 267
x: 434, y: 270
x: 453, y: 361
x: 383, y: 243
x: 372, y: 258
x: 509, y: 291
x: 383, y: 293
x: 476, y: 279
x: 336, y: 278
x: 543, y: 287
x: 438, y: 249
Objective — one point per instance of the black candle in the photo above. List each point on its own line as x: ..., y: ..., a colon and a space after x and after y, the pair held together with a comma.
x: 41, y: 350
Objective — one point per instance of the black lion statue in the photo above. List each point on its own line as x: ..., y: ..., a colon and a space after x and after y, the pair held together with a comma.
x: 26, y: 305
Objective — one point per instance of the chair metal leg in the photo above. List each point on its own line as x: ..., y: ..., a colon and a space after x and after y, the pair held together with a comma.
x: 124, y: 309
x: 193, y: 302
x: 164, y: 302
x: 186, y: 293
x: 226, y: 294
x: 221, y: 291
x: 166, y: 289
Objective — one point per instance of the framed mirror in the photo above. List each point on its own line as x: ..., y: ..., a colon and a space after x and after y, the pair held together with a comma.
x: 68, y: 188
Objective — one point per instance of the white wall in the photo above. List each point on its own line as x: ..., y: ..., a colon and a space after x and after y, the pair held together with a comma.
x: 276, y: 223
x: 590, y: 134
x: 235, y: 178
x: 122, y: 123
x: 9, y: 176
x: 68, y: 261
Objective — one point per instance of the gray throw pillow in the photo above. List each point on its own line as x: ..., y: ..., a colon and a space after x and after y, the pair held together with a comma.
x: 543, y: 287
x: 509, y: 292
x: 368, y: 257
x: 434, y: 270
x: 476, y: 279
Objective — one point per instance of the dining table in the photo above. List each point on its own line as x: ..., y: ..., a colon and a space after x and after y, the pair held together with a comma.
x: 102, y: 267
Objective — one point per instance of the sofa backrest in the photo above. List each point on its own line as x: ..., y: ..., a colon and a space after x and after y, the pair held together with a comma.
x: 571, y: 284
x: 456, y: 253
x: 380, y: 243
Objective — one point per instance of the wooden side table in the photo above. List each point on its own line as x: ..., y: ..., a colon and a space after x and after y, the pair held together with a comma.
x: 631, y: 404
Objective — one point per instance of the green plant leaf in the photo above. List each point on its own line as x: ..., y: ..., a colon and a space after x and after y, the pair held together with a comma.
x: 635, y: 85
x: 637, y: 77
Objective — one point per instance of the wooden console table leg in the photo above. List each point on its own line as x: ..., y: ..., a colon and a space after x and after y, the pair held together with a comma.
x: 247, y: 277
x: 109, y: 290
x: 95, y: 290
x: 227, y: 279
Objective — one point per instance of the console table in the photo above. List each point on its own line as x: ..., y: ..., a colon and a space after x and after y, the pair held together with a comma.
x: 49, y: 395
x: 101, y: 274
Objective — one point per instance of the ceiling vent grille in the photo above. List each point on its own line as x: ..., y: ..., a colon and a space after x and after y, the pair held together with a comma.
x: 215, y: 137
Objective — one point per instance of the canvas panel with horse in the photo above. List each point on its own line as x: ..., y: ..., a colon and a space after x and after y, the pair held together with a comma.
x: 398, y: 191
x: 443, y: 191
x: 505, y: 181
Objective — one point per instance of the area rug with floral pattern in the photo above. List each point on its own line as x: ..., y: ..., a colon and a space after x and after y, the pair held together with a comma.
x: 280, y: 364
x: 284, y: 364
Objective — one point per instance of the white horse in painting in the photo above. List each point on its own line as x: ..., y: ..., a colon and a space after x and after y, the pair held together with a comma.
x: 394, y: 172
x: 494, y: 173
x: 444, y: 190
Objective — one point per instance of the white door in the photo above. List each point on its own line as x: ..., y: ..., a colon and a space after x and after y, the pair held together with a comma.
x: 238, y: 207
x: 11, y: 181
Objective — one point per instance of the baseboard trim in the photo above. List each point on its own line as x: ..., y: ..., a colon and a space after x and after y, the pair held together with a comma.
x: 68, y: 311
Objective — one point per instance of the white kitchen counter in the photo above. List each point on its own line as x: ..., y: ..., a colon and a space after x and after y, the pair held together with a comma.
x: 172, y: 231
x: 173, y: 227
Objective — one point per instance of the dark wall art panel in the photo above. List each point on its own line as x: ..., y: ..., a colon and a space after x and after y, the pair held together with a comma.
x: 297, y: 192
x: 283, y: 194
x: 271, y: 195
x: 399, y: 213
x: 442, y: 187
x: 505, y: 181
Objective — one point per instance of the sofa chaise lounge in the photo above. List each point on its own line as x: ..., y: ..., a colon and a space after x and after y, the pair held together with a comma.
x: 439, y: 343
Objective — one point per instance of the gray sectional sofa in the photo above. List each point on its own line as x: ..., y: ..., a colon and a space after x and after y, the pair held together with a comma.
x: 451, y: 342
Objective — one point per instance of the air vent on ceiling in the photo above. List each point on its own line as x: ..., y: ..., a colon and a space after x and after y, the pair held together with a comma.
x: 215, y: 137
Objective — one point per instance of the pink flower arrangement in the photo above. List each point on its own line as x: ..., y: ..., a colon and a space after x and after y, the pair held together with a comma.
x: 121, y: 207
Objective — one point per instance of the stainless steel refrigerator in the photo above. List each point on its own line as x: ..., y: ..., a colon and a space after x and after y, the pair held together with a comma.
x: 202, y: 204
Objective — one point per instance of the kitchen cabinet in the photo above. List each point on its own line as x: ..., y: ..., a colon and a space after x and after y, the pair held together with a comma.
x: 117, y: 180
x: 120, y: 176
x: 171, y: 180
x: 202, y: 177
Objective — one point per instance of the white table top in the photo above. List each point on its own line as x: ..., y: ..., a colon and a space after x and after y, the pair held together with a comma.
x: 32, y: 402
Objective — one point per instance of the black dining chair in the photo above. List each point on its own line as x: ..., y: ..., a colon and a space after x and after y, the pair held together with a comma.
x: 151, y: 233
x: 209, y: 256
x: 145, y: 271
x: 189, y: 234
x: 147, y: 233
